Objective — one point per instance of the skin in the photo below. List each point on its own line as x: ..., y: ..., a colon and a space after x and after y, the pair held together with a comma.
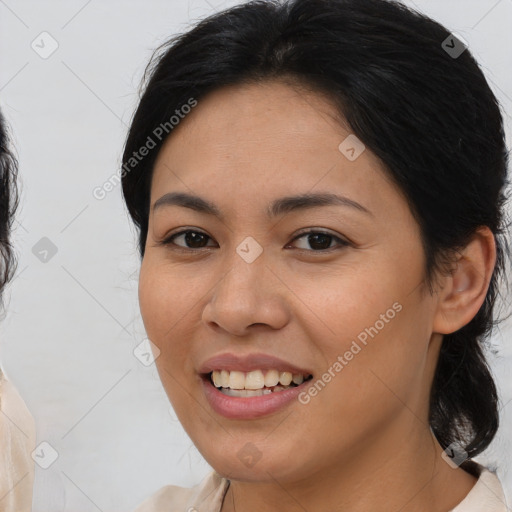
x: 363, y: 442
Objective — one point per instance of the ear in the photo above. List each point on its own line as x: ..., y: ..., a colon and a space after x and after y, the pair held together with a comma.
x: 463, y: 291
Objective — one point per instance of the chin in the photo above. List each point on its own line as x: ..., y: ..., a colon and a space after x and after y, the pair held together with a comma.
x: 246, y: 463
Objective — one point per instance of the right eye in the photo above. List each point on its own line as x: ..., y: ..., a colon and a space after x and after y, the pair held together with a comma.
x: 193, y: 239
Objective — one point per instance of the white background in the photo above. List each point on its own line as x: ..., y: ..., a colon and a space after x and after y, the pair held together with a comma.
x: 72, y: 324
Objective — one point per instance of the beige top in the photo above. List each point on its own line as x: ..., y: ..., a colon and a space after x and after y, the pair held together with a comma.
x: 17, y: 441
x: 486, y: 496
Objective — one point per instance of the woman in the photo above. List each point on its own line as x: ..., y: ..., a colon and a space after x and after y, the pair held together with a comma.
x: 17, y: 429
x: 319, y: 191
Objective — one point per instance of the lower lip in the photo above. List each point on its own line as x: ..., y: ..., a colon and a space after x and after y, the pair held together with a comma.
x: 249, y: 407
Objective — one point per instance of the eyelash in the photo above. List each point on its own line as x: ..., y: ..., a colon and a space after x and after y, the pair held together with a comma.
x: 341, y: 243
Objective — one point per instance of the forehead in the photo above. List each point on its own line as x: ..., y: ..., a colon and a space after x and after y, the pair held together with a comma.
x: 263, y: 116
x: 258, y: 139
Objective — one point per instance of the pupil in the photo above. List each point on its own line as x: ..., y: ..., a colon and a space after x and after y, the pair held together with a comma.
x: 192, y: 238
x: 322, y: 237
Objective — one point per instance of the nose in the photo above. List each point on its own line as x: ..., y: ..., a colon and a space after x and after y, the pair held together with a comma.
x: 247, y: 295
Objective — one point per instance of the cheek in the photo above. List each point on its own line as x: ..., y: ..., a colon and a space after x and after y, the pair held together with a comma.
x: 345, y: 301
x: 384, y: 360
x: 164, y: 297
x: 164, y: 302
x: 152, y: 300
x: 377, y: 322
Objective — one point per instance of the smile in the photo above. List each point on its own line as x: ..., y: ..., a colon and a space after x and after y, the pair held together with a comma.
x: 255, y: 383
x: 250, y: 386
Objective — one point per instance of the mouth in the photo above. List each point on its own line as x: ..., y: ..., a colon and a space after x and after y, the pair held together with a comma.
x: 255, y: 383
x: 250, y: 386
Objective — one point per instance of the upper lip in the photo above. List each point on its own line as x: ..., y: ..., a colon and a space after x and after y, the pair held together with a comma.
x: 250, y: 362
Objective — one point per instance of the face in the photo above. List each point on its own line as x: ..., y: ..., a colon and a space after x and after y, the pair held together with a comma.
x: 257, y: 287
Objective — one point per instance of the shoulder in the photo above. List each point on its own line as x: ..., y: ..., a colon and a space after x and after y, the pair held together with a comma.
x: 16, y: 417
x: 487, y: 493
x: 17, y: 439
x: 208, y: 495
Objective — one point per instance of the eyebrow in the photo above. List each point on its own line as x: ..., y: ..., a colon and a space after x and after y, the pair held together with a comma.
x: 276, y: 208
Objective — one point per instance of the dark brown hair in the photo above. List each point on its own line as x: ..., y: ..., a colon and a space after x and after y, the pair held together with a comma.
x: 429, y: 116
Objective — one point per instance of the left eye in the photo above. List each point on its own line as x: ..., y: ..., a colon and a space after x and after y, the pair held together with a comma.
x: 318, y: 240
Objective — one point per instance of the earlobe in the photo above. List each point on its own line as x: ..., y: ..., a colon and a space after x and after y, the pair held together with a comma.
x: 465, y: 289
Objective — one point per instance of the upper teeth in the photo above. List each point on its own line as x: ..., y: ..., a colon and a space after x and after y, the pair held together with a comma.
x: 256, y: 379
